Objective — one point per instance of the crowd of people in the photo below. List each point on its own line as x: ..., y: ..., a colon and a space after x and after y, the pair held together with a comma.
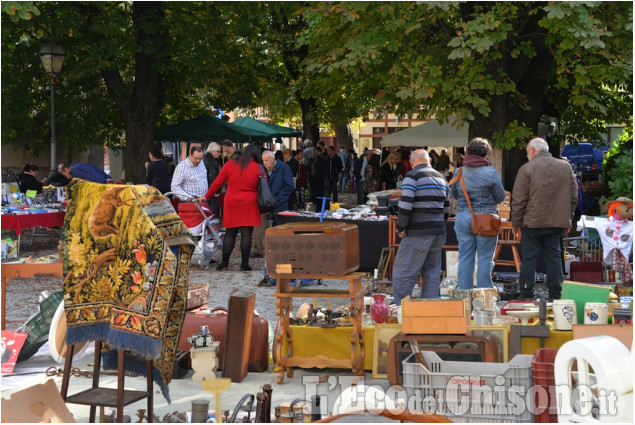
x: 544, y: 200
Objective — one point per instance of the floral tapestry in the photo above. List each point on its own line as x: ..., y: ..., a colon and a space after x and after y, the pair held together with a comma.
x: 126, y: 258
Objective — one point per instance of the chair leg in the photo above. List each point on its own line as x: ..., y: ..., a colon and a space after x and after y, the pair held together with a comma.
x: 120, y: 384
x: 149, y: 378
x: 68, y: 363
x: 516, y: 258
x: 497, y: 252
x: 96, y: 370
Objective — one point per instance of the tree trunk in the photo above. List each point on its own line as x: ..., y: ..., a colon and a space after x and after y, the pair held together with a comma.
x: 141, y: 108
x: 310, y: 126
x: 343, y: 137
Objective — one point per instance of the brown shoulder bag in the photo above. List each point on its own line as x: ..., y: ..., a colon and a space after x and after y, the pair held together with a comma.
x: 482, y: 224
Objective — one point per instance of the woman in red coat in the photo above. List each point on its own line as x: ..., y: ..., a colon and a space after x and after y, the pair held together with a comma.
x: 241, y: 203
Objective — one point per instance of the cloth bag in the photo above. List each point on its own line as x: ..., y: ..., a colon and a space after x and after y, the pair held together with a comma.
x: 266, y: 200
x: 482, y: 224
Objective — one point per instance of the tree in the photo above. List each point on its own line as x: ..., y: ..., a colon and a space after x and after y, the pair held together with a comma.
x: 129, y: 66
x: 499, y: 66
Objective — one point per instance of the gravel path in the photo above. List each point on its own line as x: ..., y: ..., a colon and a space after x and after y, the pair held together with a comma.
x: 22, y: 294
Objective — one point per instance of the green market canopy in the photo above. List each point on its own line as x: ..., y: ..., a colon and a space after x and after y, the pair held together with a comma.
x: 209, y: 128
x: 273, y: 130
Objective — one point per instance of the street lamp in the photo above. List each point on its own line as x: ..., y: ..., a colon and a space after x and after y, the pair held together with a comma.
x: 52, y: 56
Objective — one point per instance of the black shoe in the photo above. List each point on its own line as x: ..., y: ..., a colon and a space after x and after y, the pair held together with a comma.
x: 245, y: 268
x: 212, y: 261
x: 256, y: 255
x: 222, y: 267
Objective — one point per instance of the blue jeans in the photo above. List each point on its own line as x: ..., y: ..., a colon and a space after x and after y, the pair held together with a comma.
x: 533, y: 242
x: 417, y: 255
x: 342, y: 180
x: 471, y: 245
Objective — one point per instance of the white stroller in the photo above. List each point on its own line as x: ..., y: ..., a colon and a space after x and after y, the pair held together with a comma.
x: 203, y: 225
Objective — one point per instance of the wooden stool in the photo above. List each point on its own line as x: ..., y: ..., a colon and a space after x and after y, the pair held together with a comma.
x: 507, y: 238
x: 107, y: 397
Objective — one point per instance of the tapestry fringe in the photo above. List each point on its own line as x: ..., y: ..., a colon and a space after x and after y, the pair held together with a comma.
x: 136, y: 344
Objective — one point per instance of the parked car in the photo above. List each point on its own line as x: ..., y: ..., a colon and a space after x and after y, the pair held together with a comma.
x: 585, y: 159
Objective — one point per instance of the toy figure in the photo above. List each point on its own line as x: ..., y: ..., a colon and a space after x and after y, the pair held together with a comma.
x: 616, y: 234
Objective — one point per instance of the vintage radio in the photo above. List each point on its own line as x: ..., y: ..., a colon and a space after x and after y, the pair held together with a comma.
x: 327, y: 248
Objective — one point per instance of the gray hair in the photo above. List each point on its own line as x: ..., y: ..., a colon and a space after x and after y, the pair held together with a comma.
x: 420, y: 154
x: 213, y: 146
x: 479, y: 146
x: 538, y: 144
x: 268, y: 153
x: 308, y: 143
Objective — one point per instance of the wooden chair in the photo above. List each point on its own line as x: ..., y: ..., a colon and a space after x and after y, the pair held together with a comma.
x: 507, y: 238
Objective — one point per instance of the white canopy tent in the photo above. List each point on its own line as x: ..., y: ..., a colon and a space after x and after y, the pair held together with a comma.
x: 430, y: 133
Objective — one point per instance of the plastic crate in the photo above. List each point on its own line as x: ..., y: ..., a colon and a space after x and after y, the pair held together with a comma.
x: 469, y: 391
x: 37, y: 327
x: 544, y: 385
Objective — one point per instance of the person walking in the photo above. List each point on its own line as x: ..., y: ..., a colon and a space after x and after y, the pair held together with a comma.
x: 212, y: 162
x: 486, y: 191
x: 424, y: 208
x: 333, y: 169
x: 158, y: 173
x: 281, y: 184
x: 544, y: 200
x: 241, y: 203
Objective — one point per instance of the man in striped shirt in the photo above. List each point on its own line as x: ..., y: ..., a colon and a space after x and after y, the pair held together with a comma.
x: 190, y: 176
x: 423, y: 210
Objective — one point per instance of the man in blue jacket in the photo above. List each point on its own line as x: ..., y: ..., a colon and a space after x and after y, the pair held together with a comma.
x: 281, y: 183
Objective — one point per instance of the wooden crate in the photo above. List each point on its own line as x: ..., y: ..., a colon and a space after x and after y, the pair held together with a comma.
x: 435, y: 316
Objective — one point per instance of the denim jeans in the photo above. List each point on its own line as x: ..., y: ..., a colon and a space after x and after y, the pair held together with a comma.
x: 470, y: 246
x: 547, y: 241
x: 343, y: 180
x: 418, y: 255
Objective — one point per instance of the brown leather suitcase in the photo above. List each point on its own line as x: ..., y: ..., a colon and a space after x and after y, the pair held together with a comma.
x: 216, y: 321
x: 327, y: 248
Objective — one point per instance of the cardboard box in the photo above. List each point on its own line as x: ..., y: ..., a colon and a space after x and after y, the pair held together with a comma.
x: 624, y: 333
x: 41, y: 403
x: 584, y: 293
x: 435, y: 316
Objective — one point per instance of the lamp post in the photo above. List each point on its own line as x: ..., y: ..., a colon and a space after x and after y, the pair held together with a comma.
x: 52, y: 56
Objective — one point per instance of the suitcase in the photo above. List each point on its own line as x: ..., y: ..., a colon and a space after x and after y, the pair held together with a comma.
x: 217, y: 324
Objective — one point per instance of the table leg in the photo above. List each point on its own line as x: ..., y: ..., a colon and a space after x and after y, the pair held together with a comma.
x: 283, y: 331
x: 5, y: 282
x: 357, y: 338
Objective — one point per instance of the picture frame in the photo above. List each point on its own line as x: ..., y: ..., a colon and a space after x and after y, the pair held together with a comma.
x: 383, y: 335
x: 502, y: 335
x: 382, y: 265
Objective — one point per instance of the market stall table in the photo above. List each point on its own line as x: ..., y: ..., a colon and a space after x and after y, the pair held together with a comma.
x: 18, y: 222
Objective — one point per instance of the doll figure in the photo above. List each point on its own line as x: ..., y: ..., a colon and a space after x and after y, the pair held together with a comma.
x: 616, y: 234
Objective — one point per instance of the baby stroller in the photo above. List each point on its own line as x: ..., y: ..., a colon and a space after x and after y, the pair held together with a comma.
x: 201, y: 222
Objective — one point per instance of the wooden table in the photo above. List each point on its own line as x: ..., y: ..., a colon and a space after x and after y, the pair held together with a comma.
x: 11, y: 271
x: 285, y: 294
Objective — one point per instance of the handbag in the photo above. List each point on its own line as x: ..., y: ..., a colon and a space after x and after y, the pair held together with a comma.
x: 266, y: 200
x: 482, y: 224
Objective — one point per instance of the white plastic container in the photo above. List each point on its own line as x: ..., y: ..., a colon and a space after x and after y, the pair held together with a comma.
x: 470, y: 391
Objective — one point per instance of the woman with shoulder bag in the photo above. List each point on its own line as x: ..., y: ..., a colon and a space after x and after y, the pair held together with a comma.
x: 485, y: 191
x: 241, y: 205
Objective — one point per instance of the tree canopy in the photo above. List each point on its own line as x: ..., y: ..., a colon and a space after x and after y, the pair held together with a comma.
x: 500, y: 67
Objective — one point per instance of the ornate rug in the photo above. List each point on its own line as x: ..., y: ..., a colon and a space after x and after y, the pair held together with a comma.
x: 126, y: 257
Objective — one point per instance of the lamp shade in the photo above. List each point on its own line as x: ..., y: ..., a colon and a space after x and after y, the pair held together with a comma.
x: 52, y: 56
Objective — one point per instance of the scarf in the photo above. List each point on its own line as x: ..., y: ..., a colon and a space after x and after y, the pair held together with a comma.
x: 475, y: 161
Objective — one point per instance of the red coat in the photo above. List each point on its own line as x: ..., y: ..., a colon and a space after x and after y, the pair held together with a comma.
x: 241, y: 199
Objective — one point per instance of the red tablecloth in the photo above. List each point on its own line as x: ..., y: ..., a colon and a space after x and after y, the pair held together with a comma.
x: 19, y: 222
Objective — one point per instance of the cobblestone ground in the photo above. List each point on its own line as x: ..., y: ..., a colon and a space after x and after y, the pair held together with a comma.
x: 22, y: 294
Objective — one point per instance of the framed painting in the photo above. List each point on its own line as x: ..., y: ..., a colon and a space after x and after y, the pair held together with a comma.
x: 383, y: 334
x: 382, y: 265
x: 502, y: 335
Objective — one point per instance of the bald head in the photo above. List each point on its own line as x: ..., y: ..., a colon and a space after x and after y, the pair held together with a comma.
x: 418, y: 157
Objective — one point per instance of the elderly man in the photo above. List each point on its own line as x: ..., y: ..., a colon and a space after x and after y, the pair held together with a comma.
x: 423, y: 210
x: 544, y: 200
x: 281, y: 183
x: 190, y: 176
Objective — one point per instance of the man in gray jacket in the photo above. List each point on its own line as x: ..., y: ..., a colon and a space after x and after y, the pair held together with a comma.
x: 544, y: 199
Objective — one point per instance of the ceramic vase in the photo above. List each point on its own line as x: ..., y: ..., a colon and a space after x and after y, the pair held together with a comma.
x: 379, y: 310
